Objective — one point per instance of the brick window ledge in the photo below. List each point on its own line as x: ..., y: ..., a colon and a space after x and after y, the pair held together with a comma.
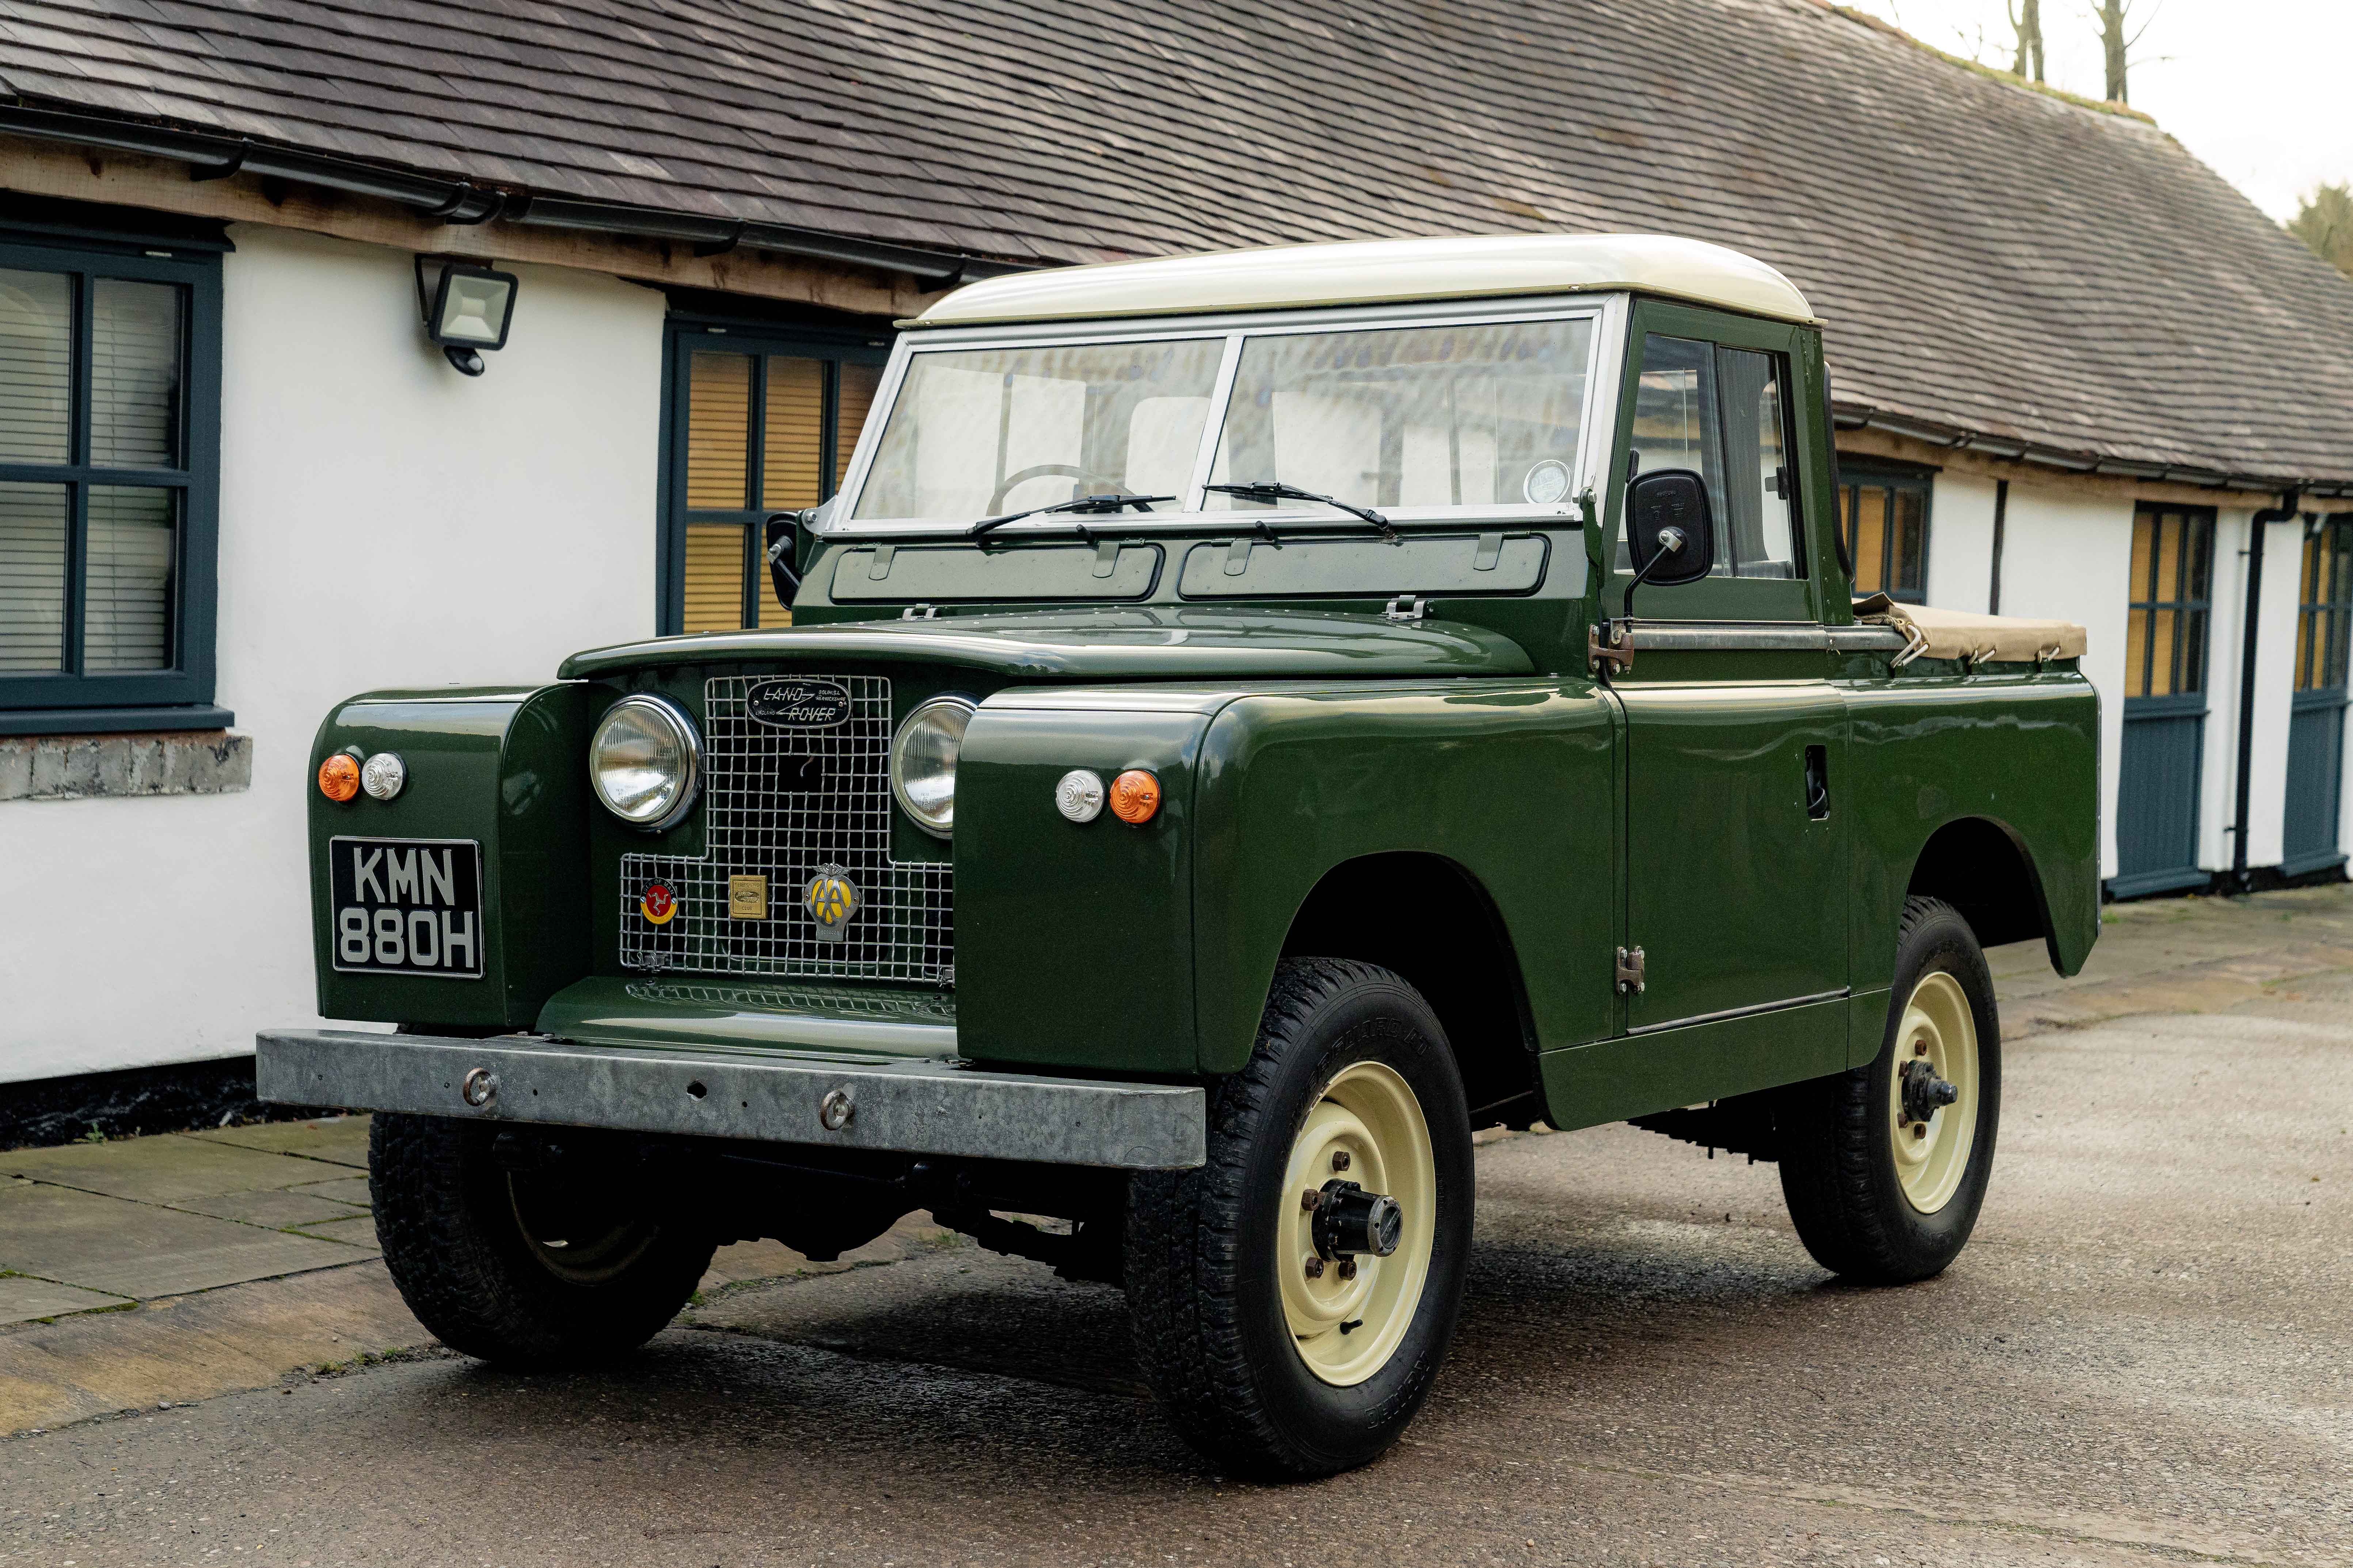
x: 166, y: 762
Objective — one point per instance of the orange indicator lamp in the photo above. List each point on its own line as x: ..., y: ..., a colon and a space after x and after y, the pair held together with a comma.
x: 1134, y: 796
x: 339, y: 776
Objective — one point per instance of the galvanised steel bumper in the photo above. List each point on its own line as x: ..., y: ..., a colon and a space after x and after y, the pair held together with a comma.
x: 921, y: 1107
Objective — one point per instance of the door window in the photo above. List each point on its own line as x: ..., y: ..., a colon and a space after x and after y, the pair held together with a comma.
x: 2324, y: 608
x: 1886, y: 520
x: 1723, y: 413
x: 2172, y: 563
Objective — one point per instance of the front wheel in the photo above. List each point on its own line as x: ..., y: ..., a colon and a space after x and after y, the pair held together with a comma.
x: 534, y: 1268
x: 1885, y: 1166
x: 1293, y: 1297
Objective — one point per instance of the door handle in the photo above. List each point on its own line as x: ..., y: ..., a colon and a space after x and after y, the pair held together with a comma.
x: 1818, y: 782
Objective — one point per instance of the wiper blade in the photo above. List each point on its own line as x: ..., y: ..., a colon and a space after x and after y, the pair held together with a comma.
x: 1275, y: 489
x: 1110, y: 503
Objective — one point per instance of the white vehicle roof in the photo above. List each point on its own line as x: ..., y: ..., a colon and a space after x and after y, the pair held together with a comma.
x: 1379, y: 271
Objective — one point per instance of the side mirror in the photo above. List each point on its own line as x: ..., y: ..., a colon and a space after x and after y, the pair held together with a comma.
x: 781, y: 544
x: 1670, y: 530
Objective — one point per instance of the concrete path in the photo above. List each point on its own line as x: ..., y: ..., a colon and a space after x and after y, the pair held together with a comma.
x: 2140, y: 1358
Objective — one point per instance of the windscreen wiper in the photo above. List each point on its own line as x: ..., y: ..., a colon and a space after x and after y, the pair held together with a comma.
x: 1275, y: 489
x: 1109, y: 503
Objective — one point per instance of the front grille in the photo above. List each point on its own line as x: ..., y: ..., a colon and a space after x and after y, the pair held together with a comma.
x: 785, y: 804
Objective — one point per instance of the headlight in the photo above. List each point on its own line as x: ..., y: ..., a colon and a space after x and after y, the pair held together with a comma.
x: 646, y: 761
x: 923, y: 761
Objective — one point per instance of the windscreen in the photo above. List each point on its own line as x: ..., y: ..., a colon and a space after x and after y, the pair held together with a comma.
x: 1418, y: 416
x: 974, y: 433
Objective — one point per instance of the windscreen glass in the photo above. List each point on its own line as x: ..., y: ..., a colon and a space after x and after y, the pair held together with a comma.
x: 974, y: 433
x: 1419, y: 416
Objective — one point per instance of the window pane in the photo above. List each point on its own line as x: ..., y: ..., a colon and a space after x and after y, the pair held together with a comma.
x: 2143, y: 543
x: 2136, y: 653
x: 35, y: 366
x: 127, y: 610
x: 2169, y: 557
x: 1755, y: 517
x: 714, y: 577
x: 792, y: 451
x: 32, y: 577
x: 975, y: 432
x: 1429, y: 416
x: 2194, y: 651
x: 134, y: 374
x: 2161, y: 658
x: 1912, y: 540
x: 2198, y: 533
x: 1871, y: 539
x: 859, y: 382
x: 718, y: 424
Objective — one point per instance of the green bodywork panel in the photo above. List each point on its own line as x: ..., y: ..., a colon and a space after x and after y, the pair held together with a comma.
x: 1412, y: 728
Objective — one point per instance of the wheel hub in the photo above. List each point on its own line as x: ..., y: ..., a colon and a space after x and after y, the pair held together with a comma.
x: 1350, y: 1221
x: 1924, y: 1093
x: 1932, y: 1091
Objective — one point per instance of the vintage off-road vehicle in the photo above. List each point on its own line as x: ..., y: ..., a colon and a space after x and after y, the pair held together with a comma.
x: 1217, y: 765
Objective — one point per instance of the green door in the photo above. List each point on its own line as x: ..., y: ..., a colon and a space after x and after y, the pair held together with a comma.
x: 2165, y: 701
x: 1736, y: 884
x: 2316, y: 736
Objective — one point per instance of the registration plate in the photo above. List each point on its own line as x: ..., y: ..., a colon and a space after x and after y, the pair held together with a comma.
x: 408, y: 906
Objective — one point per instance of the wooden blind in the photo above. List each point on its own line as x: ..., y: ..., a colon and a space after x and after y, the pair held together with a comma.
x: 793, y: 446
x: 35, y: 366
x: 2165, y: 632
x: 1869, y: 537
x: 33, y: 526
x: 134, y: 374
x: 127, y: 599
x: 718, y: 431
x: 714, y: 577
x: 859, y: 382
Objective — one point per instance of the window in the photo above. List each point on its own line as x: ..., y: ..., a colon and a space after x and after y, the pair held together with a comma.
x: 1885, y: 515
x: 1424, y: 416
x: 2324, y: 625
x: 2165, y: 636
x: 1722, y: 414
x: 108, y: 365
x: 759, y: 424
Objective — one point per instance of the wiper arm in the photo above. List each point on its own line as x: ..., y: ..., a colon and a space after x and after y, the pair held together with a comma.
x: 1109, y: 503
x: 1275, y: 489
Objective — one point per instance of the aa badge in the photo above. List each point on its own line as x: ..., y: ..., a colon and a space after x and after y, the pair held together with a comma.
x: 832, y: 899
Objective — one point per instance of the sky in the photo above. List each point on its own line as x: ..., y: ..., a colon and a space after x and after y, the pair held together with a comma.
x: 2258, y: 89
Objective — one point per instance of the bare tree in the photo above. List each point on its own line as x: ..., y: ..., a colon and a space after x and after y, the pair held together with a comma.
x: 2026, y: 21
x: 2115, y: 46
x: 2324, y: 221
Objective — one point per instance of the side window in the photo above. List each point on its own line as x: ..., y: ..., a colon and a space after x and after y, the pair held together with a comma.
x: 755, y: 431
x: 1885, y: 516
x: 1722, y: 412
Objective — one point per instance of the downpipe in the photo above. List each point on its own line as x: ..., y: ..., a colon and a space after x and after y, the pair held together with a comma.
x: 2257, y: 530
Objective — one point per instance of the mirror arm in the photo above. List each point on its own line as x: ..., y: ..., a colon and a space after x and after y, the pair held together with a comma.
x: 780, y: 544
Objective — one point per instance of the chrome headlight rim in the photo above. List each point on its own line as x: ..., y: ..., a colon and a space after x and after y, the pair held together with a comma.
x: 946, y: 702
x: 669, y: 715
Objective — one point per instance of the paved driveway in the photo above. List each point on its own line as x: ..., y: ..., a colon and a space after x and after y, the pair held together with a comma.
x: 2140, y: 1358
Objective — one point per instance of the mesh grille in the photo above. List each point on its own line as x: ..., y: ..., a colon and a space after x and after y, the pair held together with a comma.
x: 785, y: 804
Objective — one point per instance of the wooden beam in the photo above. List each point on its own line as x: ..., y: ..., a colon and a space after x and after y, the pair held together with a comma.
x: 2036, y: 477
x: 162, y: 185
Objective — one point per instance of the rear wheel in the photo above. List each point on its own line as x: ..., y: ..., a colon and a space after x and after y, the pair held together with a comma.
x: 565, y: 1265
x: 1293, y: 1297
x: 1886, y: 1166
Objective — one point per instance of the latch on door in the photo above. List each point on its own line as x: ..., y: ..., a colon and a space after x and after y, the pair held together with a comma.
x: 1629, y: 971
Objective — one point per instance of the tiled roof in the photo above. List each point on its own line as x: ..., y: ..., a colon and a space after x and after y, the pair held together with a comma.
x: 1990, y: 259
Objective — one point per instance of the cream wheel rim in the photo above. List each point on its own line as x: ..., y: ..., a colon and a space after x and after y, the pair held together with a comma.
x: 1932, y: 1154
x: 1347, y: 1317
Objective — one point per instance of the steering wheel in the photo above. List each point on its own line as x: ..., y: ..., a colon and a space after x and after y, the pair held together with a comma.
x: 1040, y: 471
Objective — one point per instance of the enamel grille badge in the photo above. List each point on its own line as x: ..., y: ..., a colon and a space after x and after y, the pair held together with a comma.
x: 832, y: 899
x: 798, y: 704
x: 657, y: 904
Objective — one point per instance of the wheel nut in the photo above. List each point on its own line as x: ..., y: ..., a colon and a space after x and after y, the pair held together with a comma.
x: 1920, y: 1047
x: 1316, y: 1268
x: 1920, y: 1130
x: 1311, y: 1200
x: 1347, y: 1268
x: 1340, y: 1161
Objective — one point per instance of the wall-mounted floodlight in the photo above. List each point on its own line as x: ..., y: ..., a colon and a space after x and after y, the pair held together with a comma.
x: 467, y: 309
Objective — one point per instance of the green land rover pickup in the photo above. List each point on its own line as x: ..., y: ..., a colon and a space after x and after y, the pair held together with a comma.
x: 1249, y: 721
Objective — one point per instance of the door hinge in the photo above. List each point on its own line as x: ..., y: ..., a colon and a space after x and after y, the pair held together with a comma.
x: 920, y: 613
x: 1629, y: 971
x: 1406, y: 607
x: 1614, y: 653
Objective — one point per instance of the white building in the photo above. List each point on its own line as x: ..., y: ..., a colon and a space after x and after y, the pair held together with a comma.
x: 237, y: 482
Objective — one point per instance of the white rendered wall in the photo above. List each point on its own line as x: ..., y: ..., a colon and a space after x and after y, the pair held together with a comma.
x: 1960, y: 543
x: 2070, y: 557
x: 2274, y: 694
x: 384, y: 522
x: 2217, y: 771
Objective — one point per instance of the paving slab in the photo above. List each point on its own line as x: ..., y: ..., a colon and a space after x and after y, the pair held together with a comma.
x: 167, y: 1169
x: 352, y: 1190
x: 352, y: 1230
x: 273, y: 1210
x: 339, y: 1140
x: 194, y: 1347
x: 139, y: 1249
x: 23, y: 1300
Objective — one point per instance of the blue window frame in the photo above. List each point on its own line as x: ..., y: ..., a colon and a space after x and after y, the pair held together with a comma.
x: 110, y: 397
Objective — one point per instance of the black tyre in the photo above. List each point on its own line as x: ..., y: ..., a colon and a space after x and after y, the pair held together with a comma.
x: 1885, y: 1166
x: 567, y: 1266
x: 1278, y: 1338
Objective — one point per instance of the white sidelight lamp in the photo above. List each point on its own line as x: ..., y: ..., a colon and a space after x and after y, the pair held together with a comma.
x: 467, y: 309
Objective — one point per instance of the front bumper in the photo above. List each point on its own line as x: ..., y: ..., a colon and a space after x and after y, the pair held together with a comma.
x: 918, y: 1107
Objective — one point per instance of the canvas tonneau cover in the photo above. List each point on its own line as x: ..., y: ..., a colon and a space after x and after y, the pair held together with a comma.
x: 1958, y: 634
